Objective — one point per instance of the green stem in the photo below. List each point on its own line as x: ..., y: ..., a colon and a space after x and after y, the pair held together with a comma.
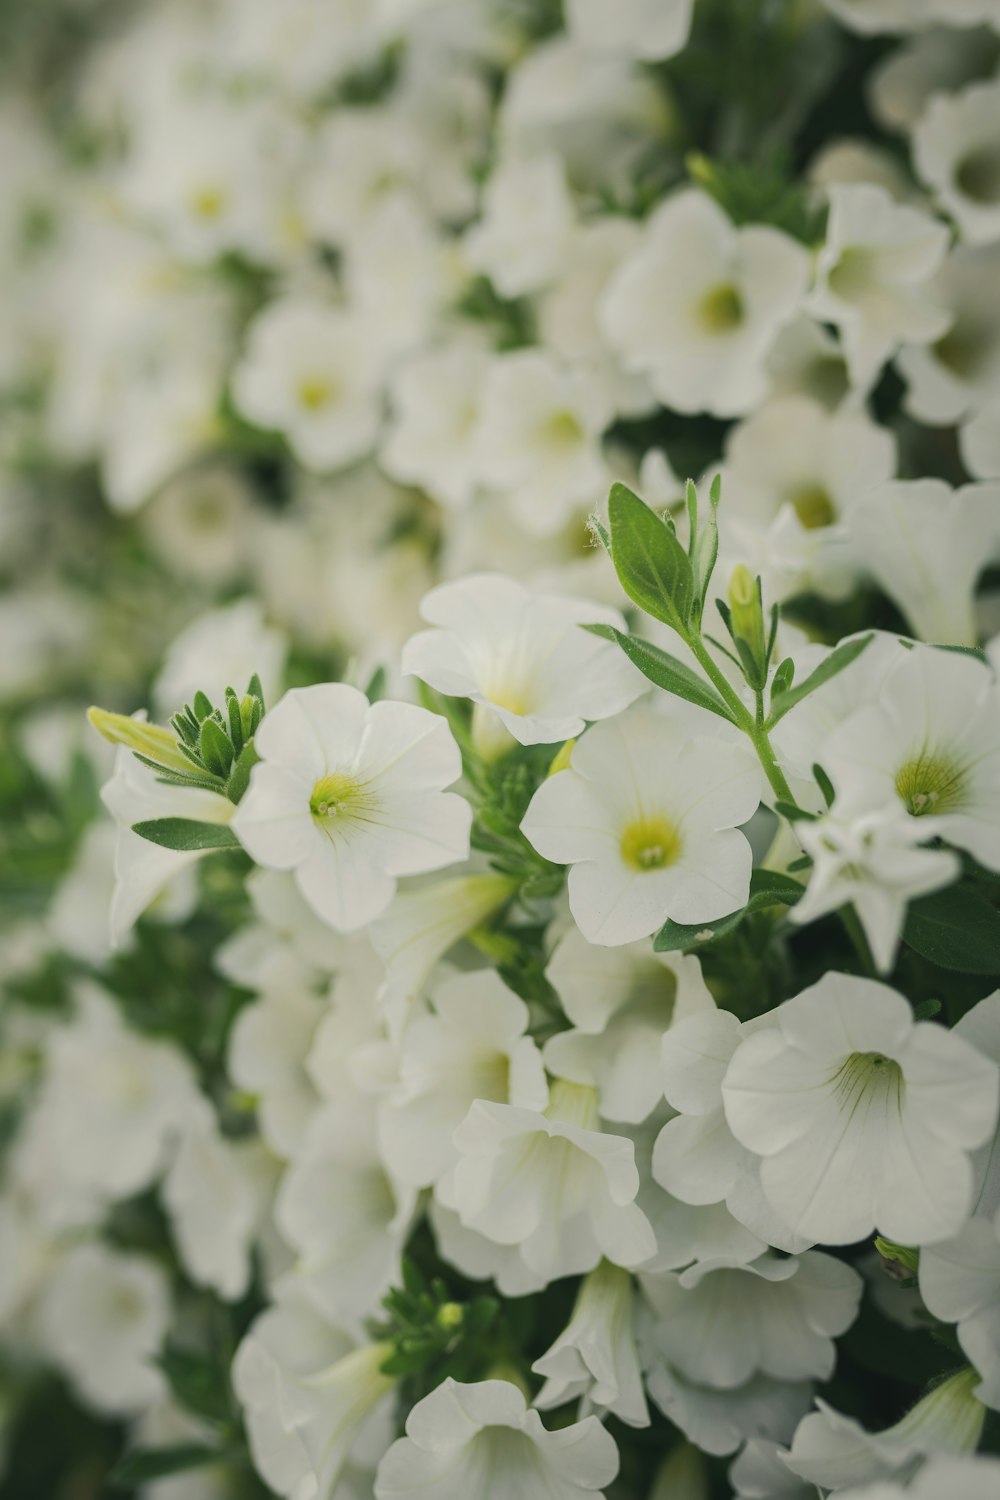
x: 859, y: 942
x: 752, y: 726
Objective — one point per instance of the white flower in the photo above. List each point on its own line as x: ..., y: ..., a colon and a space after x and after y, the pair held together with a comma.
x: 399, y: 274
x: 214, y: 1194
x: 422, y: 924
x: 835, y: 1451
x: 909, y: 15
x: 955, y: 152
x: 349, y: 796
x: 221, y: 648
x: 526, y: 220
x: 646, y: 29
x: 720, y: 1421
x: 760, y: 1473
x: 873, y: 861
x: 872, y: 276
x: 927, y: 732
x: 954, y: 377
x: 718, y: 1325
x: 698, y: 305
x: 286, y: 949
x: 311, y: 1400
x: 553, y: 1184
x: 621, y: 1001
x: 864, y: 1117
x: 143, y: 869
x: 523, y: 657
x: 465, y: 1440
x: 102, y: 1318
x: 539, y: 438
x: 648, y: 819
x: 960, y: 1283
x: 595, y: 1357
x: 473, y: 1046
x: 973, y: 1478
x: 198, y: 523
x: 311, y: 371
x: 346, y: 1218
x: 268, y: 1046
x: 980, y: 1027
x: 434, y: 438
x: 979, y: 443
x: 696, y: 1157
x: 792, y: 473
x: 137, y: 1095
x: 926, y: 545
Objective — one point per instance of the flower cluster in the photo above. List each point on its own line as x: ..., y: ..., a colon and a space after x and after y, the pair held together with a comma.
x: 506, y: 1003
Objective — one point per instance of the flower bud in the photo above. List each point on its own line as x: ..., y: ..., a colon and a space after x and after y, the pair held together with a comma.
x: 150, y: 740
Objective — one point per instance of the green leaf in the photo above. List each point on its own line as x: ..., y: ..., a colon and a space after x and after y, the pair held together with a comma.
x: 186, y: 834
x: 146, y: 1464
x: 198, y: 1383
x: 215, y: 747
x: 239, y: 776
x: 705, y: 549
x: 652, y: 566
x: 957, y: 929
x: 767, y: 888
x: 665, y: 670
x: 840, y: 657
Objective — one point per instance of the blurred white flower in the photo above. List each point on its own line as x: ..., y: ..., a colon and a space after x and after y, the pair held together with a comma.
x: 434, y: 438
x: 646, y: 29
x: 524, y: 226
x: 595, y: 1357
x: 955, y: 151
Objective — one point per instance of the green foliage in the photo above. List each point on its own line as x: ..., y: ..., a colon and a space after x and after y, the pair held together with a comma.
x: 146, y: 1464
x: 767, y: 888
x: 665, y: 671
x: 783, y: 698
x: 956, y: 928
x: 219, y: 745
x: 652, y: 566
x: 433, y: 1335
x: 186, y: 834
x: 761, y: 192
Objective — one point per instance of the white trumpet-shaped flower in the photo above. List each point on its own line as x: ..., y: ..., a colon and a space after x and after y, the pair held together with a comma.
x: 487, y: 645
x: 349, y: 796
x: 648, y: 818
x: 465, y: 1440
x: 596, y: 1357
x: 864, y: 1117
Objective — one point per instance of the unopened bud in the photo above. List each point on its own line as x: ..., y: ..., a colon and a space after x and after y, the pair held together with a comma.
x: 450, y: 1315
x: 901, y: 1261
x: 150, y: 740
x: 747, y: 614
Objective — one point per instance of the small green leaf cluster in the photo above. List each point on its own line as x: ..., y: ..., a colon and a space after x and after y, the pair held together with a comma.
x: 217, y: 742
x: 433, y: 1335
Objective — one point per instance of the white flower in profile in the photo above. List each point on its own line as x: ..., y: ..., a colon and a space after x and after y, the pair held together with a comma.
x: 926, y: 732
x: 699, y: 303
x: 526, y: 221
x: 959, y: 374
x: 979, y: 441
x: 980, y: 1027
x: 646, y: 29
x: 433, y: 438
x: 910, y: 15
x: 696, y: 1158
x: 310, y: 370
x: 482, y: 1439
x: 872, y: 276
x: 834, y: 1451
x: 472, y: 1045
x: 595, y: 1357
x: 864, y: 1117
x: 648, y: 818
x: 792, y: 471
x: 540, y: 428
x: 780, y: 1316
x: 102, y: 1318
x: 960, y: 1284
x: 926, y: 546
x: 955, y: 152
x: 523, y: 659
x: 807, y: 360
x: 285, y: 948
x: 620, y: 1002
x: 215, y: 1194
x: 760, y: 1473
x: 974, y: 1477
x: 313, y: 1401
x: 349, y: 795
x: 872, y: 860
x: 221, y: 648
x: 552, y: 1184
x: 479, y: 1258
x: 345, y: 1216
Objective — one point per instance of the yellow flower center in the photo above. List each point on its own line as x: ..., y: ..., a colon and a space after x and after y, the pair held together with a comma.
x: 208, y: 202
x: 561, y: 430
x: 316, y: 391
x: 814, y: 507
x: 931, y: 783
x: 864, y: 1073
x: 339, y: 798
x: 650, y: 843
x: 721, y: 310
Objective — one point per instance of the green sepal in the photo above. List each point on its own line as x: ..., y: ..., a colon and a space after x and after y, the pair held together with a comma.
x: 239, y: 776
x: 215, y: 747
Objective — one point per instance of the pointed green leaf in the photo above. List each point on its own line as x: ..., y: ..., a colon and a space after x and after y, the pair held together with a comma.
x: 652, y: 566
x: 767, y: 888
x: 186, y: 834
x: 840, y: 657
x: 665, y: 670
x: 215, y: 747
x: 957, y: 929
